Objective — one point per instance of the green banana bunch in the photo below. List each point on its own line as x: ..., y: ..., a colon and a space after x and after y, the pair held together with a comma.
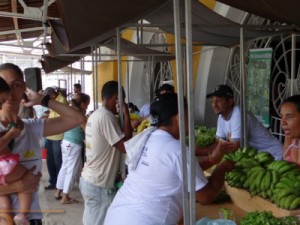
x: 258, y: 173
x: 246, y: 163
x: 286, y: 191
x: 264, y: 157
x: 284, y: 167
x: 235, y: 178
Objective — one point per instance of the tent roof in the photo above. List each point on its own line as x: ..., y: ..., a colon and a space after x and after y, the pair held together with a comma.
x: 209, y: 27
x: 286, y: 11
x: 80, y: 24
x: 54, y: 62
x: 96, y: 20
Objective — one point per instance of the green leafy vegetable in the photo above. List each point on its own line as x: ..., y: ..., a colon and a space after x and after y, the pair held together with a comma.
x: 266, y: 218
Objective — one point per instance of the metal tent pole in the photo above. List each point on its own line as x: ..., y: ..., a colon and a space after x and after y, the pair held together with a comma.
x: 120, y: 75
x: 243, y: 91
x: 293, y: 63
x: 94, y: 66
x: 127, y: 80
x: 120, y: 93
x: 191, y: 108
x: 152, y: 82
x: 97, y: 75
x: 179, y: 71
x: 82, y: 78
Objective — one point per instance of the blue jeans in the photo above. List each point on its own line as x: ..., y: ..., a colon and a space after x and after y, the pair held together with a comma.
x: 96, y: 202
x: 54, y: 160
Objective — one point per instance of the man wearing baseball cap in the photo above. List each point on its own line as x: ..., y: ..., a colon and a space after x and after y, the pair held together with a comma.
x: 229, y: 123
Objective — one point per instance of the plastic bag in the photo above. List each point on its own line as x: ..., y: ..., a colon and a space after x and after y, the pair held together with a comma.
x: 207, y: 221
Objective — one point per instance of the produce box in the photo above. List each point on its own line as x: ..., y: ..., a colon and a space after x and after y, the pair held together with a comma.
x: 242, y: 199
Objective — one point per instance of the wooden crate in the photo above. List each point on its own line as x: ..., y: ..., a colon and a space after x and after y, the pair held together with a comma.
x: 242, y: 199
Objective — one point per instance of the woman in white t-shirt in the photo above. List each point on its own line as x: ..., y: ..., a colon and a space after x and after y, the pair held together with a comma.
x: 152, y: 191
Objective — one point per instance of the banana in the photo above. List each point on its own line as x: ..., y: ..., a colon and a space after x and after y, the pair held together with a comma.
x: 276, y: 191
x: 229, y: 156
x: 286, y: 192
x: 239, y: 156
x: 263, y: 194
x: 271, y: 166
x: 258, y: 179
x: 252, y: 175
x: 144, y: 124
x: 293, y: 172
x: 246, y: 184
x: 275, y: 178
x: 245, y: 150
x: 252, y: 152
x: 282, y: 202
x: 295, y: 203
x: 286, y: 168
x: 269, y: 193
x: 266, y: 181
x: 252, y: 187
x: 284, y: 185
x: 297, y: 185
x: 265, y: 159
x: 260, y: 155
x: 277, y: 164
x: 288, y: 200
x: 256, y: 168
x: 289, y: 182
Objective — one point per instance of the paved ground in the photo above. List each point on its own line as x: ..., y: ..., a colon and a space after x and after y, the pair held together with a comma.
x: 56, y: 213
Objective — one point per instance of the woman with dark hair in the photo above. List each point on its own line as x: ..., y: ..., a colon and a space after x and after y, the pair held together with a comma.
x: 71, y: 148
x: 152, y: 191
x: 290, y: 123
x: 27, y: 143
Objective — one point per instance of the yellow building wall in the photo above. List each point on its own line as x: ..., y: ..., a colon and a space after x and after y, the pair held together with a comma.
x: 196, y: 57
x: 109, y: 70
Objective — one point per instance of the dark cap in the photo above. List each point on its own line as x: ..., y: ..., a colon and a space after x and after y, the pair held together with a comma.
x: 221, y: 91
x: 166, y: 88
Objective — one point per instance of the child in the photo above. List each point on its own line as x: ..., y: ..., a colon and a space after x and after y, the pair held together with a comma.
x: 10, y: 170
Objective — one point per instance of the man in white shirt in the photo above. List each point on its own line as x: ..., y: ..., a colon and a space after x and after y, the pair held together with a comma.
x: 104, y: 139
x: 229, y: 123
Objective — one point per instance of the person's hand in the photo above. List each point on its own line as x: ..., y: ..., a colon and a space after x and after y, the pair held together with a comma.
x: 30, y: 181
x: 218, y: 153
x: 227, y: 165
x: 229, y: 146
x: 125, y: 107
x: 15, y: 131
x: 33, y: 98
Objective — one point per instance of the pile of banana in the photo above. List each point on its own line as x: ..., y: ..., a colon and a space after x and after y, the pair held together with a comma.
x: 143, y: 125
x: 258, y: 173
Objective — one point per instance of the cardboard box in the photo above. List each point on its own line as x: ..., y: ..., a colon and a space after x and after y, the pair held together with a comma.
x: 242, y: 199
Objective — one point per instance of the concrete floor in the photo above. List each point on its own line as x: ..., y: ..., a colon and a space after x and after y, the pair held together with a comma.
x: 54, y: 212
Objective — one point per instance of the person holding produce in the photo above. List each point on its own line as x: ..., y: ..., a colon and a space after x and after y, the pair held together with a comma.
x: 290, y: 123
x: 152, y: 191
x: 229, y: 125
